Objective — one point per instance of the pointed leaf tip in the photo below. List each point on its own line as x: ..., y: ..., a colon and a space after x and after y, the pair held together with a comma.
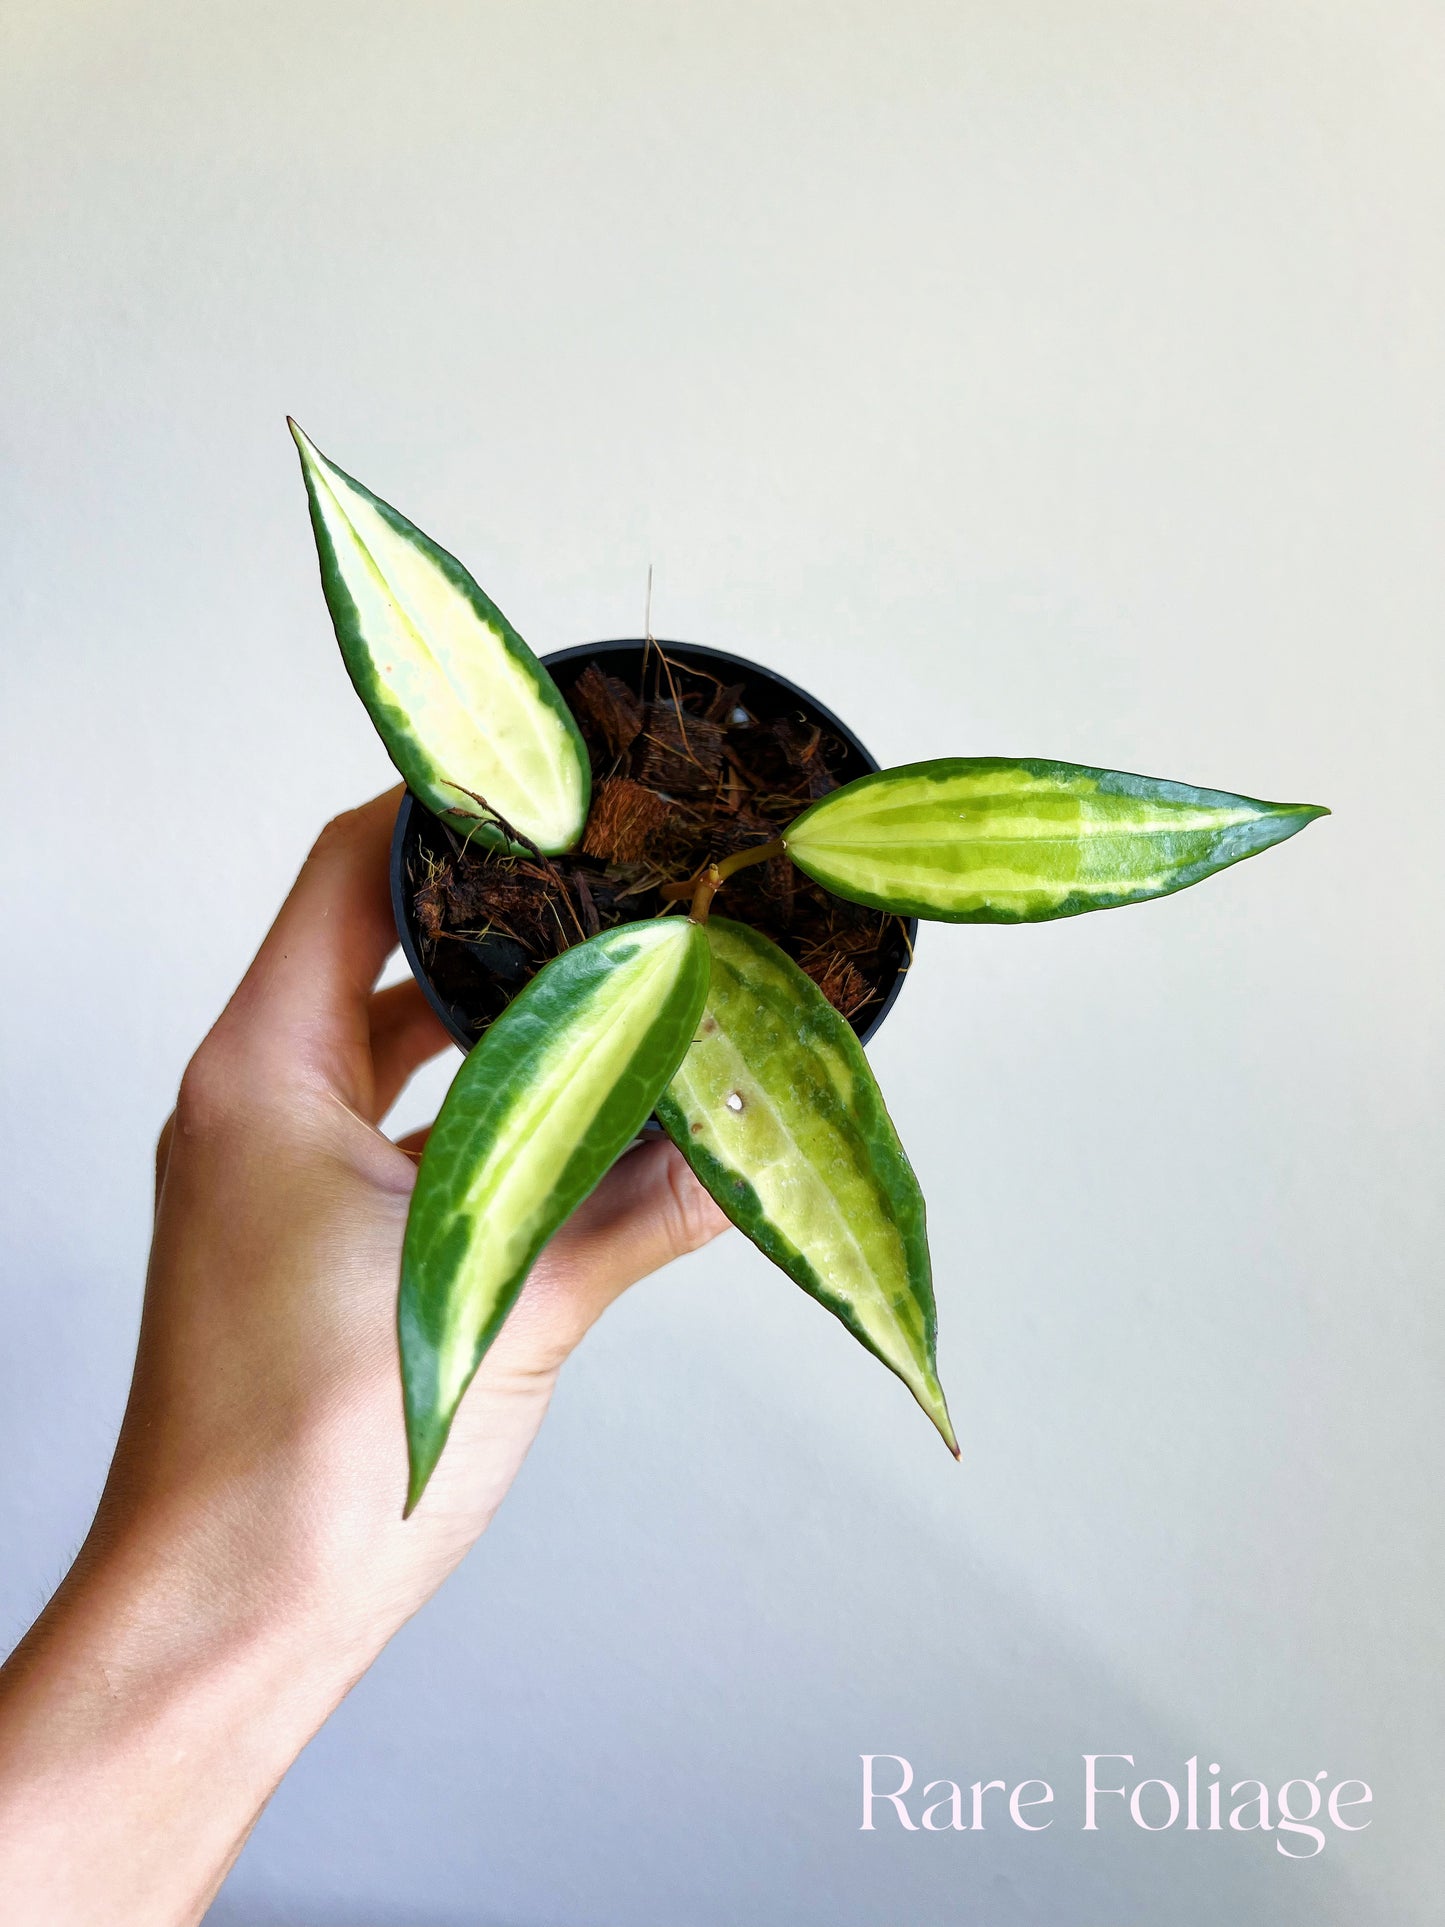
x: 419, y: 1471
x: 1276, y: 823
x: 946, y: 1431
x: 929, y: 1394
x: 464, y: 707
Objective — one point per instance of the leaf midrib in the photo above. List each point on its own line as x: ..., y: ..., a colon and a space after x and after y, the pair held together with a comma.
x: 750, y: 1078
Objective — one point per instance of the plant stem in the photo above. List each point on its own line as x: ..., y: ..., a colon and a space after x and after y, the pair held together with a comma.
x: 705, y: 885
x: 705, y: 889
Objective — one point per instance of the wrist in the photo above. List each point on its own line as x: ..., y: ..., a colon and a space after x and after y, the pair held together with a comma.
x: 185, y: 1596
x: 144, y: 1722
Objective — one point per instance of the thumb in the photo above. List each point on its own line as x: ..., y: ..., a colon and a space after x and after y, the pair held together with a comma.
x: 648, y: 1210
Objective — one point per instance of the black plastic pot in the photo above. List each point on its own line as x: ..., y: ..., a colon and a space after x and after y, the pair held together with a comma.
x: 766, y: 695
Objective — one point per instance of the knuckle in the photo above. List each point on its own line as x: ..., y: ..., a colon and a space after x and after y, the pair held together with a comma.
x: 540, y: 1332
x: 163, y: 1152
x: 337, y: 833
x: 208, y: 1092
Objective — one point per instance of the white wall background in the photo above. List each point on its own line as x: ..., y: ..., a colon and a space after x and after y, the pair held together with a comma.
x: 1056, y: 378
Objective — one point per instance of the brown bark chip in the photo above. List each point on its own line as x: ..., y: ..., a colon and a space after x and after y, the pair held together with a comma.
x: 607, y: 710
x: 624, y: 821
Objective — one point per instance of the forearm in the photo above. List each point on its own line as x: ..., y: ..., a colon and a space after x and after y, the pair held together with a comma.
x: 144, y: 1723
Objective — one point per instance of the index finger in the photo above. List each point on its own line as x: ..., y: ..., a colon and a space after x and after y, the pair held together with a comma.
x: 311, y: 978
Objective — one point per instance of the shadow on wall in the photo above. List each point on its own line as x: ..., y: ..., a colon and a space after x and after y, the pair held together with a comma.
x: 714, y: 1777
x: 247, y: 1916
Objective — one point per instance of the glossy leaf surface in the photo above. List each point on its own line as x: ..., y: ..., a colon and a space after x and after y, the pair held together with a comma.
x: 981, y: 839
x: 464, y: 707
x: 542, y: 1106
x: 777, y: 1112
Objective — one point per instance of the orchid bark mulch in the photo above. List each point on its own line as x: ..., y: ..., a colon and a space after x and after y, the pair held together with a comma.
x: 684, y: 772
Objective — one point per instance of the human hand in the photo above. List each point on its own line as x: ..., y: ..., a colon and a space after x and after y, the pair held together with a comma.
x: 267, y: 1387
x: 250, y: 1536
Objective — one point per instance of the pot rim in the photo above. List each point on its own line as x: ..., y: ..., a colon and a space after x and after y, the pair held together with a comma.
x: 576, y: 652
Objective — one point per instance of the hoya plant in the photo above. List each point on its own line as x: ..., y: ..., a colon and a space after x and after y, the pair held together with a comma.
x: 743, y: 1053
